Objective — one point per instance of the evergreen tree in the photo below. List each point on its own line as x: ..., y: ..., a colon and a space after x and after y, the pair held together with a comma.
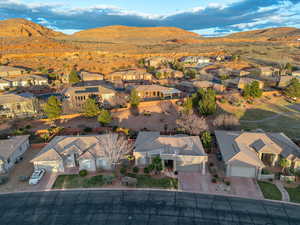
x: 256, y: 92
x: 293, y: 90
x: 247, y: 91
x: 91, y: 107
x: 134, y: 98
x: 53, y: 108
x: 207, y: 104
x: 188, y: 106
x: 104, y: 117
x: 74, y: 77
x: 206, y: 139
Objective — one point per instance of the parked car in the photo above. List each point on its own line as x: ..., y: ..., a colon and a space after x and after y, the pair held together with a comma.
x: 36, y: 176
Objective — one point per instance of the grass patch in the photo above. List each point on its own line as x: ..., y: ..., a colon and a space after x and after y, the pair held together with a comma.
x: 146, y: 181
x: 269, y: 190
x: 76, y: 181
x: 294, y: 194
x: 258, y: 114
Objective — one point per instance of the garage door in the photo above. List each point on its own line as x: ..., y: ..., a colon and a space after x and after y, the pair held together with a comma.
x: 239, y: 171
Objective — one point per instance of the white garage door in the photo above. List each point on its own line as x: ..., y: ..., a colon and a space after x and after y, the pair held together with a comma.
x: 239, y: 171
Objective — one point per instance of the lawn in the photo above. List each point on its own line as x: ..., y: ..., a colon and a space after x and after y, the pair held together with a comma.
x: 269, y: 190
x: 146, y: 181
x: 294, y: 194
x: 76, y: 181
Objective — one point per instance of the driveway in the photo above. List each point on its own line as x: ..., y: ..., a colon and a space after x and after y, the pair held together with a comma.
x: 196, y: 182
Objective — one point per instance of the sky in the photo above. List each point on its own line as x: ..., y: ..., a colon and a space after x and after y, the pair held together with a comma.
x: 206, y: 17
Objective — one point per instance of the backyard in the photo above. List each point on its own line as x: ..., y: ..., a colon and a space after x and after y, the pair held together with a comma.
x: 269, y: 190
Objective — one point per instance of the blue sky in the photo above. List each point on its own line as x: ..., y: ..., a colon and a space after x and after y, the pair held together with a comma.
x: 207, y: 17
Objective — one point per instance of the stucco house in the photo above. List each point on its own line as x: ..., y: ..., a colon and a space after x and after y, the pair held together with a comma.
x: 208, y: 84
x: 156, y: 91
x: 195, y: 60
x: 180, y: 152
x: 129, y: 75
x: 241, y: 82
x: 11, y: 150
x: 89, y: 76
x: 72, y: 152
x: 245, y: 154
x: 6, y: 71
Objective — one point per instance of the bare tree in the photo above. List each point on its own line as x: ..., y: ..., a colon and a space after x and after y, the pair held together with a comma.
x: 192, y: 124
x: 114, y: 147
x: 226, y: 121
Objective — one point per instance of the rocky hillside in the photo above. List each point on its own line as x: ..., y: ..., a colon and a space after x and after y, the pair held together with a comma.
x: 16, y: 28
x: 124, y: 34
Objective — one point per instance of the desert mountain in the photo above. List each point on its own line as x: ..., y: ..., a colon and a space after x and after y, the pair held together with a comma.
x: 125, y: 34
x: 15, y: 28
x: 271, y: 33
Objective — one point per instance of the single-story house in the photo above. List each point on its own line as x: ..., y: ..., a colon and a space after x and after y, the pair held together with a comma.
x: 208, y: 84
x: 72, y: 152
x: 6, y: 71
x: 178, y: 153
x: 11, y: 150
x: 89, y: 76
x: 195, y: 59
x: 241, y: 82
x: 156, y: 91
x: 129, y: 75
x: 246, y: 153
x: 169, y: 73
x: 23, y: 81
x: 296, y: 73
x: 284, y: 81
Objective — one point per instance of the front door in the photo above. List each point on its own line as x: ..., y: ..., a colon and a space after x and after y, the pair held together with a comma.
x: 70, y: 161
x: 169, y: 164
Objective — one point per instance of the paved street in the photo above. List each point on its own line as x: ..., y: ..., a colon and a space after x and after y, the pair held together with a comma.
x: 117, y: 207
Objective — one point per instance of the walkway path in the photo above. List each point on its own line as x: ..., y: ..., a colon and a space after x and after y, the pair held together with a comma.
x: 284, y: 193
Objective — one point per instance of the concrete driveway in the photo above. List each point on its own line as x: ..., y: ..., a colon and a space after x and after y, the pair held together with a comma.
x: 246, y: 187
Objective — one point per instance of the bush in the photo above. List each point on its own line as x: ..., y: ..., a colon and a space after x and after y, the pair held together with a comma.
x: 108, y: 179
x: 83, y: 173
x: 87, y: 129
x: 211, y: 164
x: 216, y: 176
x: 227, y: 183
x: 146, y: 170
x: 27, y: 127
x: 214, y: 180
x: 135, y: 169
x: 3, y: 180
x: 123, y: 170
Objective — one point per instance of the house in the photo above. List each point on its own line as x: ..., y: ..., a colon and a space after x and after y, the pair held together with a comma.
x: 11, y: 151
x: 195, y: 60
x: 208, y: 84
x: 156, y: 61
x: 76, y: 96
x: 240, y: 73
x: 284, y: 81
x: 6, y: 71
x: 296, y: 73
x: 73, y: 152
x: 179, y: 153
x: 18, y: 105
x: 88, y: 76
x: 268, y: 71
x: 241, y: 82
x: 169, y: 73
x: 246, y: 153
x: 4, y: 84
x: 23, y: 81
x: 129, y: 75
x: 156, y: 91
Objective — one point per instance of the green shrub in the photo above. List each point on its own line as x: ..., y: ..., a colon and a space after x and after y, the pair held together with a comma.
x: 123, y: 170
x: 214, y: 180
x: 83, y: 173
x: 108, y: 179
x: 3, y: 180
x: 87, y: 129
x: 27, y: 127
x: 146, y: 170
x: 135, y: 169
x: 227, y: 183
x: 216, y: 176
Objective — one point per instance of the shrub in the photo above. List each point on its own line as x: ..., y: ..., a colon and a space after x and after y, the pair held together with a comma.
x: 108, y: 179
x: 3, y: 180
x: 83, y: 173
x: 135, y: 169
x: 216, y: 176
x: 214, y: 180
x: 211, y: 164
x: 87, y: 129
x: 146, y: 170
x: 227, y: 183
x: 27, y: 127
x: 123, y: 170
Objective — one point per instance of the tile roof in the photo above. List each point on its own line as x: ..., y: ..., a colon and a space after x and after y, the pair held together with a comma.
x: 8, y: 146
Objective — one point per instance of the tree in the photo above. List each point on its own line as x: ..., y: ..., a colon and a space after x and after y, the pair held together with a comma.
x: 114, y: 148
x: 206, y: 139
x: 247, y: 91
x: 226, y: 121
x: 284, y: 163
x: 192, y: 124
x: 74, y: 77
x: 91, y: 108
x: 134, y: 98
x: 289, y: 68
x: 293, y: 90
x: 104, y: 117
x: 156, y: 164
x: 207, y: 104
x: 252, y: 90
x: 188, y: 106
x: 53, y: 108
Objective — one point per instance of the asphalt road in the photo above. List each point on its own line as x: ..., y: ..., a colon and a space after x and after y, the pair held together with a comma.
x: 116, y: 207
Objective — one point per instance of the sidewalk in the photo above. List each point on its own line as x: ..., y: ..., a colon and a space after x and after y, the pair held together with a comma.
x: 284, y: 193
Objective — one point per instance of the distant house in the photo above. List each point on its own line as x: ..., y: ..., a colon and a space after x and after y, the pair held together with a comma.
x: 72, y: 152
x: 156, y: 91
x: 4, y: 84
x: 179, y: 153
x: 246, y: 153
x: 129, y: 75
x: 11, y: 150
x: 268, y: 71
x: 76, y: 96
x: 156, y: 61
x: 23, y: 81
x: 240, y: 73
x: 195, y: 60
x: 7, y: 71
x: 88, y: 76
x: 284, y: 81
x: 169, y: 73
x: 209, y: 84
x: 18, y: 105
x: 296, y: 73
x: 241, y: 82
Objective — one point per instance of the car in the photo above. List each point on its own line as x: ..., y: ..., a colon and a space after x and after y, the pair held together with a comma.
x: 36, y: 176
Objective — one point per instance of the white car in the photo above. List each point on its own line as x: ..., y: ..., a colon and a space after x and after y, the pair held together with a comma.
x: 36, y: 176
